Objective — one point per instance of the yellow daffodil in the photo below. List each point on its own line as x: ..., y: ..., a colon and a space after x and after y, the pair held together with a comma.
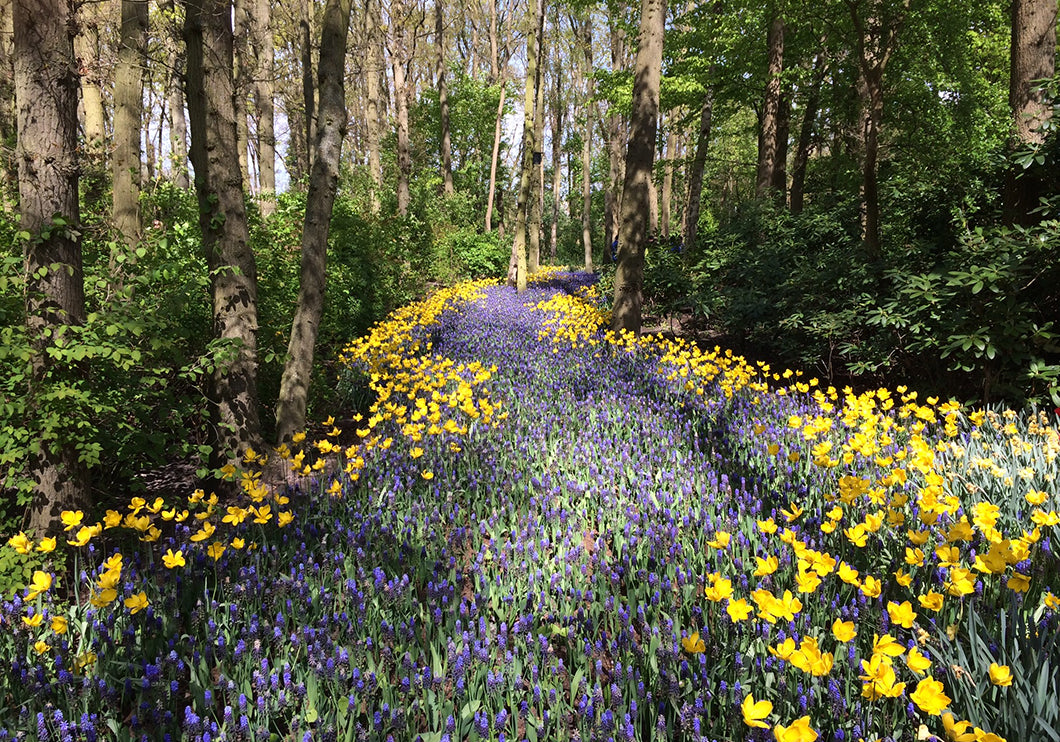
x: 721, y: 540
x: 33, y: 621
x: 1000, y: 674
x: 901, y: 614
x: 930, y: 697
x: 692, y: 644
x: 20, y: 543
x: 71, y: 519
x: 766, y: 566
x: 917, y: 662
x: 59, y: 624
x: 799, y: 731
x: 215, y: 550
x: 137, y: 603
x: 173, y: 560
x: 41, y: 646
x: 46, y: 545
x: 738, y: 610
x: 41, y: 583
x: 843, y: 631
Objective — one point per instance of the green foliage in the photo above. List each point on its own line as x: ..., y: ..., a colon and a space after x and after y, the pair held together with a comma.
x: 474, y: 253
x: 1018, y: 638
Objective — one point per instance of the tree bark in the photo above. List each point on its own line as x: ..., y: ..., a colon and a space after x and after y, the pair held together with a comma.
x: 557, y: 160
x: 308, y: 84
x: 695, y: 177
x: 94, y: 163
x: 517, y: 265
x: 640, y: 159
x: 222, y: 217
x: 802, y: 150
x: 666, y: 200
x: 538, y: 174
x: 8, y: 111
x: 372, y: 108
x: 263, y: 57
x: 497, y: 136
x: 613, y: 196
x: 323, y: 184
x: 243, y: 77
x: 1033, y: 57
x: 398, y: 60
x: 46, y: 86
x: 178, y: 124
x: 587, y: 138
x: 768, y: 138
x: 443, y: 103
x: 128, y: 120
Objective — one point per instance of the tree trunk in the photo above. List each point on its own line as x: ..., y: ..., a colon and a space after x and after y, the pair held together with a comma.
x: 243, y: 77
x: 640, y: 159
x: 323, y: 183
x: 443, y: 103
x: 557, y: 160
x: 517, y: 265
x: 398, y: 60
x: 695, y: 177
x: 768, y: 139
x: 779, y: 186
x: 8, y: 111
x: 538, y: 175
x: 223, y: 219
x: 1033, y: 57
x: 497, y: 135
x: 613, y: 197
x: 308, y: 85
x: 375, y: 66
x: 668, y: 183
x: 94, y: 163
x: 263, y: 55
x: 587, y: 138
x: 46, y: 87
x: 802, y: 150
x: 178, y: 124
x: 128, y: 120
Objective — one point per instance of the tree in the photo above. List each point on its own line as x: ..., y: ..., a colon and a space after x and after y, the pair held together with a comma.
x: 400, y: 54
x: 262, y: 57
x: 443, y: 102
x: 87, y: 46
x: 640, y: 160
x: 46, y: 87
x: 535, y: 29
x: 128, y: 120
x: 222, y: 217
x: 178, y: 124
x: 373, y: 104
x: 695, y: 175
x: 1032, y: 58
x: 323, y: 184
x: 769, y: 157
x: 587, y: 139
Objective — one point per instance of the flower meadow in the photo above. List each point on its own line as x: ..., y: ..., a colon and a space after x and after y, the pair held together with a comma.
x: 541, y: 530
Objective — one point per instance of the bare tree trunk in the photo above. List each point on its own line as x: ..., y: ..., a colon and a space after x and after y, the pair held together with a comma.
x: 398, y: 59
x: 640, y: 159
x: 374, y: 66
x: 653, y: 206
x: 308, y: 84
x: 223, y: 219
x: 613, y: 196
x: 87, y: 46
x: 768, y: 139
x: 587, y: 138
x: 8, y: 111
x: 46, y: 88
x: 243, y: 79
x: 178, y: 124
x: 497, y: 135
x: 668, y: 182
x: 802, y: 150
x: 128, y: 120
x: 263, y: 55
x: 443, y: 103
x: 1033, y: 57
x: 695, y: 177
x: 517, y: 265
x: 323, y: 184
x: 538, y: 175
x: 558, y: 107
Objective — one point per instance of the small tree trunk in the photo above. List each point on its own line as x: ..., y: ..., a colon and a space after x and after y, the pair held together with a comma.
x: 668, y: 183
x: 587, y: 138
x: 94, y: 164
x: 223, y: 219
x: 640, y: 159
x: 517, y: 265
x: 308, y: 84
x: 46, y: 87
x: 768, y: 139
x: 323, y: 184
x: 497, y: 136
x: 374, y: 66
x: 178, y: 124
x: 398, y: 59
x: 695, y: 177
x: 443, y: 103
x: 538, y: 175
x: 871, y: 89
x: 616, y: 142
x: 802, y: 150
x: 263, y: 54
x: 243, y: 76
x: 128, y: 120
x: 557, y: 162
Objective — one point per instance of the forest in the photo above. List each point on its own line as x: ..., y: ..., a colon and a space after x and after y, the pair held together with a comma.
x: 529, y: 370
